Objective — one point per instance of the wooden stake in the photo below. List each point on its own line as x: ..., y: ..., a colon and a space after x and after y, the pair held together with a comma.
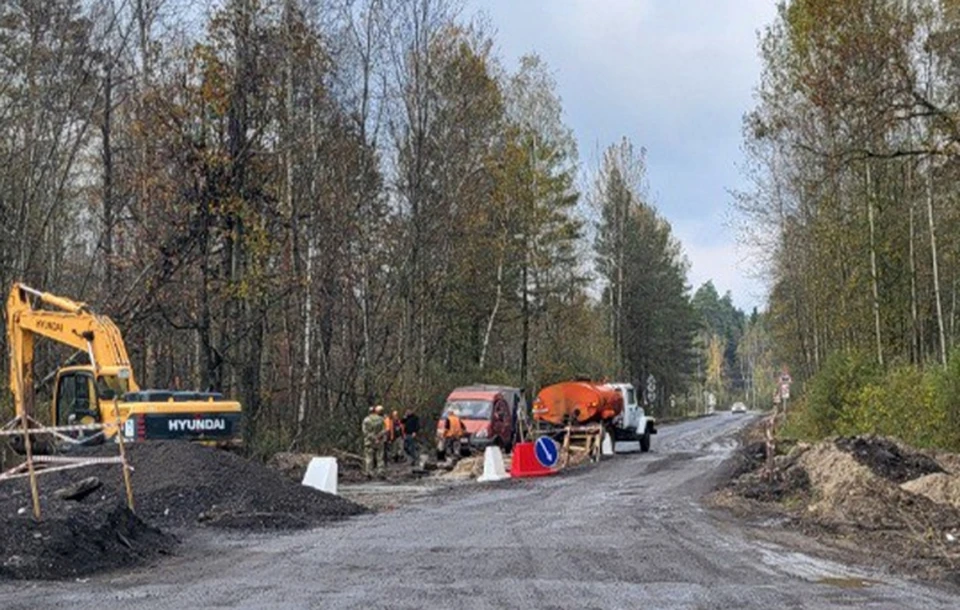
x: 123, y: 457
x: 771, y: 446
x: 28, y: 448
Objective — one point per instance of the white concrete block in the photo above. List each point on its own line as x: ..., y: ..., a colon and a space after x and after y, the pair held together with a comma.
x: 322, y: 474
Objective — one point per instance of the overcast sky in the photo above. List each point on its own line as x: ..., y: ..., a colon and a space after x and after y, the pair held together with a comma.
x: 674, y: 76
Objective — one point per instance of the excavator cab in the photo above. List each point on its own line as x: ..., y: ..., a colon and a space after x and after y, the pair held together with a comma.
x: 75, y: 399
x: 79, y: 398
x: 78, y: 394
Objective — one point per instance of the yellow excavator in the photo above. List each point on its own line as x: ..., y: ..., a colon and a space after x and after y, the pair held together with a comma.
x: 104, y: 391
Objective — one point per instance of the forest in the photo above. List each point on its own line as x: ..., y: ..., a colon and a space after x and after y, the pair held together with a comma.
x: 317, y: 206
x: 852, y: 157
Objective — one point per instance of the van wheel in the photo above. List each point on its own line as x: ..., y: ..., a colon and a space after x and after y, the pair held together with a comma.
x: 645, y: 441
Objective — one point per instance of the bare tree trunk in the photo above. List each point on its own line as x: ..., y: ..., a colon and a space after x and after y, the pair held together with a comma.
x: 525, y: 344
x: 953, y: 314
x: 873, y: 268
x: 621, y: 248
x: 307, y: 340
x: 524, y: 356
x: 106, y: 156
x: 914, y: 334
x: 493, y: 314
x: 936, y: 271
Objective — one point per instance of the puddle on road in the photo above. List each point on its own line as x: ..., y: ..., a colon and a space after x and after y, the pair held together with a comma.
x: 847, y: 582
x: 813, y: 569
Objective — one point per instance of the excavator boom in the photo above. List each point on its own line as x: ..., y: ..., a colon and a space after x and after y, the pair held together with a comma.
x: 73, y: 325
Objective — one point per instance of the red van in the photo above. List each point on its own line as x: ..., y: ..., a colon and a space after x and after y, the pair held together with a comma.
x: 489, y: 414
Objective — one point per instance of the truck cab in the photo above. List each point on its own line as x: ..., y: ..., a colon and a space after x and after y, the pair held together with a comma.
x: 633, y: 423
x: 488, y: 412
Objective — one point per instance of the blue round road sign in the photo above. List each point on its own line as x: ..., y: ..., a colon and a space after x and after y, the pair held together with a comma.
x: 546, y: 451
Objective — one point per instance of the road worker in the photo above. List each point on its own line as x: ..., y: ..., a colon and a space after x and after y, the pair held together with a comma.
x: 411, y: 427
x: 453, y: 434
x: 387, y: 437
x: 373, y: 438
x: 396, y: 437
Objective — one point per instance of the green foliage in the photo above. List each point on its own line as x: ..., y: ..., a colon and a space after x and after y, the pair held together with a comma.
x: 945, y: 423
x: 834, y: 395
x: 721, y: 326
x: 651, y: 321
x: 850, y: 395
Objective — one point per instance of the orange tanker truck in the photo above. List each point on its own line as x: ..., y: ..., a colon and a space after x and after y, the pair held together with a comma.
x: 582, y: 402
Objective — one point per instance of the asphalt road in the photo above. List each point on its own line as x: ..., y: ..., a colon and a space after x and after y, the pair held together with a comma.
x: 628, y: 533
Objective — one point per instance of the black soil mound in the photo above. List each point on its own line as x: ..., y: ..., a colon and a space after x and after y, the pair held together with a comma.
x: 776, y: 487
x: 749, y: 458
x: 175, y: 485
x: 886, y: 459
x: 182, y: 484
x: 75, y: 539
x: 748, y: 480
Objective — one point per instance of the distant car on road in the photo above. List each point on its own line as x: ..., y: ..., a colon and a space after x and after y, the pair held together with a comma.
x: 738, y: 407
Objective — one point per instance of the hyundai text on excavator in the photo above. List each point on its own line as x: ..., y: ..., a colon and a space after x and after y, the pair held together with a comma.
x: 104, y: 391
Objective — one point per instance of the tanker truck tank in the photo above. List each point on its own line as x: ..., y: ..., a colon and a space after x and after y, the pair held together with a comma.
x: 577, y: 402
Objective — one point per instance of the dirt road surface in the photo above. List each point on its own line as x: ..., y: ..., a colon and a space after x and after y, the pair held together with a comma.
x: 627, y: 533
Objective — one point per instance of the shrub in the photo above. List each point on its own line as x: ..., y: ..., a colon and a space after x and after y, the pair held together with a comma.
x: 946, y: 405
x: 834, y: 395
x: 850, y: 396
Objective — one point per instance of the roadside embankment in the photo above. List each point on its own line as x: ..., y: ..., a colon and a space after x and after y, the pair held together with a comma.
x: 871, y: 494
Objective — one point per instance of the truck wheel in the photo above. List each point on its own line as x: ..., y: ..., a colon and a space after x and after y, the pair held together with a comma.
x: 645, y: 441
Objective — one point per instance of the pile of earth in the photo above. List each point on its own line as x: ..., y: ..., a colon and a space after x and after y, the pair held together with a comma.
x: 467, y: 468
x: 180, y: 484
x: 292, y: 465
x: 175, y: 485
x: 871, y: 492
x: 73, y: 539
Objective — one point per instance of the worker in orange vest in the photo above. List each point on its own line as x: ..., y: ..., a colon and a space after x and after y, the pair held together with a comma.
x: 387, y: 438
x: 453, y: 433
